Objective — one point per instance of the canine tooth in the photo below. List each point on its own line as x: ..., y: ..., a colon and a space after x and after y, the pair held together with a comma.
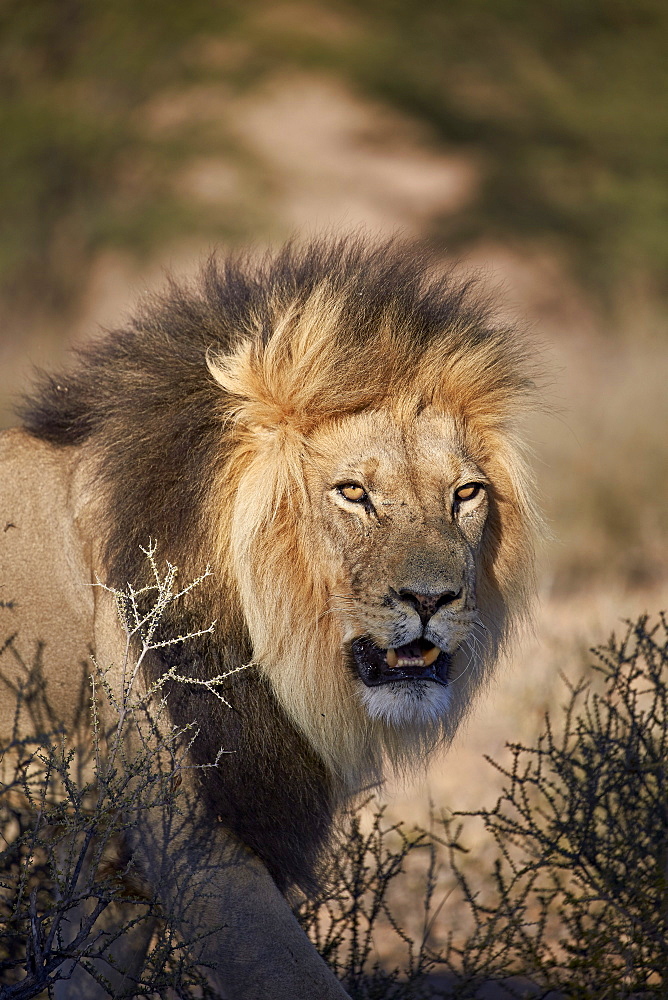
x: 392, y: 658
x: 431, y: 656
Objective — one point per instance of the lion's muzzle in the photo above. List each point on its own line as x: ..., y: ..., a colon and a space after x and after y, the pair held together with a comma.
x: 415, y: 661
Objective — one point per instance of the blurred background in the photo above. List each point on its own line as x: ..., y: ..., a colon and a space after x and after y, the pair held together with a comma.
x: 528, y: 140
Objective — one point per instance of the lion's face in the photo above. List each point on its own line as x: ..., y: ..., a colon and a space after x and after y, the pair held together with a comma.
x: 401, y: 510
x: 378, y: 523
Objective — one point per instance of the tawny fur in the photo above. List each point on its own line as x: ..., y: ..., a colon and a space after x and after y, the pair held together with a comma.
x: 211, y: 422
x: 309, y: 373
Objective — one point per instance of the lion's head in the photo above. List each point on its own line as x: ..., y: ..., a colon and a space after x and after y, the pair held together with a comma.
x: 332, y: 428
x: 381, y: 523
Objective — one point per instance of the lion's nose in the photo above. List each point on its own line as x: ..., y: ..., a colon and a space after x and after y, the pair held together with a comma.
x: 427, y: 605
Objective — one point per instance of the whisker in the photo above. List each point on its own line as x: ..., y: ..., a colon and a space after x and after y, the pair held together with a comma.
x: 478, y: 635
x: 473, y: 645
x: 483, y: 614
x: 329, y: 611
x: 341, y: 602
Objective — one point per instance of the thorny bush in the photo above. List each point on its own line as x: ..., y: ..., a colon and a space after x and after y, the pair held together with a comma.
x: 578, y: 899
x: 67, y: 808
x: 576, y: 904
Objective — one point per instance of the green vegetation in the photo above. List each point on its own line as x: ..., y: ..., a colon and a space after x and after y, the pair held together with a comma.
x: 561, y: 103
x: 81, y: 168
x: 561, y: 107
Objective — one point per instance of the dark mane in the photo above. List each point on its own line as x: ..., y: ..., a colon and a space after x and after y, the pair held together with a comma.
x: 145, y: 401
x: 145, y: 396
x: 165, y: 343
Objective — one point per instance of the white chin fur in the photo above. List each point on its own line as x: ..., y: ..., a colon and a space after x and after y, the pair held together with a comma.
x: 407, y: 703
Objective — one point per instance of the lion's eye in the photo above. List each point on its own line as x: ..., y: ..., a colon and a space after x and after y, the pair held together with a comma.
x: 468, y: 491
x: 353, y: 492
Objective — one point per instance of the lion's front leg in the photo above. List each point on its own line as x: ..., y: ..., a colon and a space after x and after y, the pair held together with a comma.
x: 232, y: 917
x: 121, y: 942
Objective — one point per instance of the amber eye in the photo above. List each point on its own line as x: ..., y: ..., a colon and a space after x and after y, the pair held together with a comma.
x: 352, y: 492
x: 468, y: 491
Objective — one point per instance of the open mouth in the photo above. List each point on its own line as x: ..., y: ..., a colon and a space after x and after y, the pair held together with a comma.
x: 416, y: 661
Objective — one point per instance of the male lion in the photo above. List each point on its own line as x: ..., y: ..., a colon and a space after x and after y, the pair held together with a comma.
x: 332, y: 430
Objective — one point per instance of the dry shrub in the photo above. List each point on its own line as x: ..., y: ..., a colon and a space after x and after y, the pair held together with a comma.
x: 576, y: 903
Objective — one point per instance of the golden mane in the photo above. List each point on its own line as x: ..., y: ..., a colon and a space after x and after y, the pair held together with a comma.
x: 309, y: 370
x: 209, y: 421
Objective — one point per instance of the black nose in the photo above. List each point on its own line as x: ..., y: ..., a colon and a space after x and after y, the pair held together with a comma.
x: 427, y: 605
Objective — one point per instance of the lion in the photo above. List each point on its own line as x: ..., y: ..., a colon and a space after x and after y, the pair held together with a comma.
x: 333, y: 429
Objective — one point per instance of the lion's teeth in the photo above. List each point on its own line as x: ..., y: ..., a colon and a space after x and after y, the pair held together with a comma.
x: 426, y: 660
x: 431, y: 656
